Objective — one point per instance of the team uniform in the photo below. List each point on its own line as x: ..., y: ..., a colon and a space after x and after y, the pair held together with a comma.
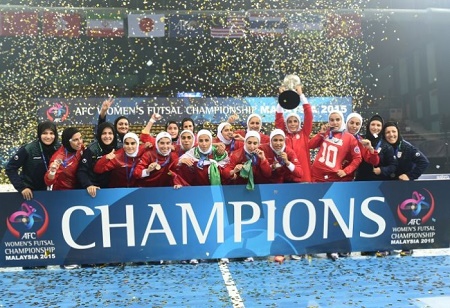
x: 298, y: 141
x: 164, y: 175
x: 65, y: 177
x: 335, y: 147
x: 280, y: 172
x: 121, y: 167
x: 199, y: 173
x: 85, y: 173
x: 33, y: 160
x: 262, y: 171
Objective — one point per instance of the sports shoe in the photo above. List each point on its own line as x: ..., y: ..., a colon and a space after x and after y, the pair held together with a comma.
x: 71, y: 266
x: 344, y: 254
x: 405, y: 253
x: 333, y: 256
x: 224, y: 260
x: 249, y: 259
x: 193, y: 261
x: 381, y: 254
x: 296, y: 257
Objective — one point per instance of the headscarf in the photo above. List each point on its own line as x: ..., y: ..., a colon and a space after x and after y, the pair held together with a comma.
x: 342, y: 128
x: 66, y: 136
x: 40, y: 129
x: 113, y: 145
x: 253, y: 115
x: 136, y: 138
x: 248, y: 135
x: 293, y: 114
x: 374, y: 140
x: 220, y: 135
x: 353, y: 115
x: 399, y: 139
x: 274, y: 133
x: 208, y: 133
x: 159, y: 137
x: 203, y: 159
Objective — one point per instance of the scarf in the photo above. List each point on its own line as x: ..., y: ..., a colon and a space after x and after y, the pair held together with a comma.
x: 213, y: 169
x: 247, y: 173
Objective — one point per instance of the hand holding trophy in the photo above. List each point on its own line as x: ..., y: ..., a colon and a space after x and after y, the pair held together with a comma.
x: 289, y: 98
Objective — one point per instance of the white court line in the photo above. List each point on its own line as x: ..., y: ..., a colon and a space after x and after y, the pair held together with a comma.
x: 236, y: 298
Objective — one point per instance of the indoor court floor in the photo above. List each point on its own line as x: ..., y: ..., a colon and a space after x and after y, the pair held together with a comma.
x: 420, y: 280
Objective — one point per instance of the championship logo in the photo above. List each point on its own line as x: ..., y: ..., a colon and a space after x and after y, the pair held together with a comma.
x: 58, y: 112
x: 419, y: 207
x: 28, y: 219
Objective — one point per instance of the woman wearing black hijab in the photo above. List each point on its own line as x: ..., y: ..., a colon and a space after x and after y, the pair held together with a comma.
x: 105, y: 141
x: 33, y: 159
x: 411, y: 162
x: 387, y: 166
x: 62, y: 169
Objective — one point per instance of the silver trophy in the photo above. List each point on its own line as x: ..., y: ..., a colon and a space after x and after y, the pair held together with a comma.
x: 289, y: 98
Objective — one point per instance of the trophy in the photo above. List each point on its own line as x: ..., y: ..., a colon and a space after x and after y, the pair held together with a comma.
x: 289, y: 99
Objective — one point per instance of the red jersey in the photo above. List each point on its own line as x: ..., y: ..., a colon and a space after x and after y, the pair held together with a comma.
x: 335, y: 148
x: 199, y: 175
x: 66, y: 175
x: 166, y: 176
x: 121, y: 167
x: 262, y: 171
x: 368, y: 157
x: 280, y: 172
x: 298, y: 141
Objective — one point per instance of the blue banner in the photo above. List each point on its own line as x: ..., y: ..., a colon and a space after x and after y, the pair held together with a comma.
x: 214, y: 109
x: 145, y: 224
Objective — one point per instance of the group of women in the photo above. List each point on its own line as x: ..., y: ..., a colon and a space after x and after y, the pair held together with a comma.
x: 120, y: 158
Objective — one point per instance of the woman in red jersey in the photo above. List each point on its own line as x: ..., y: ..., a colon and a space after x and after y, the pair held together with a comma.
x: 204, y: 163
x: 156, y: 167
x: 62, y: 173
x: 122, y: 162
x: 297, y: 136
x: 248, y: 165
x: 285, y: 166
x: 336, y: 146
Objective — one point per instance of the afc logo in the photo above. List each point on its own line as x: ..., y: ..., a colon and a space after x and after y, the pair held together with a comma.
x: 415, y: 222
x: 416, y: 210
x: 29, y: 236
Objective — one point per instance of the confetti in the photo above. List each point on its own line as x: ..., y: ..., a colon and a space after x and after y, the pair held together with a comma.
x: 324, y: 48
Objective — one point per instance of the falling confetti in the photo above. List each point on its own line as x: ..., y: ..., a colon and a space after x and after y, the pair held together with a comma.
x: 326, y: 48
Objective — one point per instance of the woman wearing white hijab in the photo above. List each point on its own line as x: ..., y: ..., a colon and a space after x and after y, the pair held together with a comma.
x: 157, y: 166
x: 204, y: 163
x: 225, y: 138
x: 248, y: 165
x: 335, y: 147
x: 284, y: 162
x: 122, y: 162
x: 254, y: 123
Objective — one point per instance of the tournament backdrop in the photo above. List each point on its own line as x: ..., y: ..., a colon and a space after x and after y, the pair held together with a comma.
x: 144, y: 224
x: 138, y: 110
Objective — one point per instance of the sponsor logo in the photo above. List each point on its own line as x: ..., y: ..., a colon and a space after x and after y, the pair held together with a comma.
x: 416, y: 210
x: 31, y: 218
